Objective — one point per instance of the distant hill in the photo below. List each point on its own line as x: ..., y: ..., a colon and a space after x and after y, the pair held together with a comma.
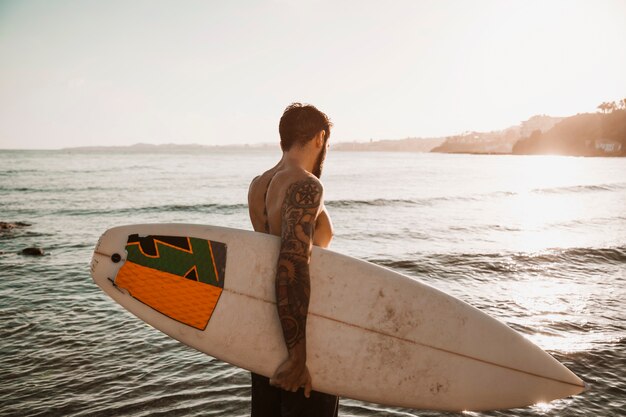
x: 391, y: 145
x: 170, y: 147
x: 408, y: 145
x: 586, y: 134
x: 498, y: 141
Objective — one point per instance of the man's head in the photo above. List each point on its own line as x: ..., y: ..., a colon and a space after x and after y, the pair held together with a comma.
x: 301, y: 123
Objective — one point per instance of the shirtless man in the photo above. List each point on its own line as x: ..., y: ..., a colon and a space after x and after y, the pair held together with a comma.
x: 287, y: 201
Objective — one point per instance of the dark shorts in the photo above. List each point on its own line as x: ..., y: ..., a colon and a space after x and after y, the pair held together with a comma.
x: 269, y: 401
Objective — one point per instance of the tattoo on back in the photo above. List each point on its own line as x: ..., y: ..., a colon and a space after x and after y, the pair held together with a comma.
x: 293, y: 288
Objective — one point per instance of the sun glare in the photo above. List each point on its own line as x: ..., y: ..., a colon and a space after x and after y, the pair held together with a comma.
x: 543, y: 407
x: 546, y: 171
x: 540, y: 208
x: 552, y: 301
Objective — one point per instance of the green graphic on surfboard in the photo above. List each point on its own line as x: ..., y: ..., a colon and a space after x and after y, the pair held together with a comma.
x: 196, y: 259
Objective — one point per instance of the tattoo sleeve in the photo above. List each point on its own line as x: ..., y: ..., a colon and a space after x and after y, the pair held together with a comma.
x: 293, y: 288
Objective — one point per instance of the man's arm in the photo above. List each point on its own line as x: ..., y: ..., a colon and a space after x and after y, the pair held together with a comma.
x: 299, y: 211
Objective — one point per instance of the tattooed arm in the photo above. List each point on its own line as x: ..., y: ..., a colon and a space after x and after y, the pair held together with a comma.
x: 299, y: 212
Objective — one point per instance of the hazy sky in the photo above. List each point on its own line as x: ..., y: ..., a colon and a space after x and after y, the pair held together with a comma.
x: 78, y: 73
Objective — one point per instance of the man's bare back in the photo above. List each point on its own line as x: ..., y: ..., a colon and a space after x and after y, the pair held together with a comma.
x: 265, y: 198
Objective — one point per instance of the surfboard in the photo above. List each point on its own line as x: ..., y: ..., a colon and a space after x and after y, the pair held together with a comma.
x: 372, y: 334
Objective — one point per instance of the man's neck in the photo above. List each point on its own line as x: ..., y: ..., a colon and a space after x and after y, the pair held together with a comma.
x: 301, y: 158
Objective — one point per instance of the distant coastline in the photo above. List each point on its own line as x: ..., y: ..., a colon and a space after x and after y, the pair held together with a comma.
x: 585, y: 134
x: 401, y: 145
x: 171, y: 147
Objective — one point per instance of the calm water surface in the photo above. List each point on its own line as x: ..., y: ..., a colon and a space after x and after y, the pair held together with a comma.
x: 538, y: 242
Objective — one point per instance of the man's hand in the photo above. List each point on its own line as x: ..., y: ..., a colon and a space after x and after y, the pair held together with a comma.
x: 291, y: 375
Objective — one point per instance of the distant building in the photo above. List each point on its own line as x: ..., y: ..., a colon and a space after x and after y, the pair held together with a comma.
x: 608, y: 146
x: 541, y: 123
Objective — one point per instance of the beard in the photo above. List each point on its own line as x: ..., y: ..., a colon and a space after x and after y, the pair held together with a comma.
x: 319, y: 163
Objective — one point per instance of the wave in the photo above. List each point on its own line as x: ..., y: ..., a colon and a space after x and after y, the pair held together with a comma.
x: 426, y: 201
x: 429, y: 201
x: 184, y: 208
x: 19, y: 171
x: 483, y: 227
x: 581, y: 188
x: 573, y: 255
x: 376, y: 202
x: 355, y: 203
x: 508, y: 262
x: 213, y: 208
x: 588, y: 222
x: 55, y: 190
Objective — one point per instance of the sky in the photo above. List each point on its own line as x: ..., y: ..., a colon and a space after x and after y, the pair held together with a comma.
x: 89, y: 73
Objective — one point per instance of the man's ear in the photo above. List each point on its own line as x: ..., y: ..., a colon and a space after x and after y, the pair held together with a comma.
x: 319, y: 138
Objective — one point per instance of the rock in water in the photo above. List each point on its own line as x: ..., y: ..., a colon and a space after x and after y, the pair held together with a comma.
x: 12, y: 225
x: 33, y: 252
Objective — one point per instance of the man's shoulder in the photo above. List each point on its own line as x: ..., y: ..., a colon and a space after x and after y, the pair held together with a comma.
x: 304, y: 192
x: 260, y: 180
x: 294, y: 177
x: 298, y: 183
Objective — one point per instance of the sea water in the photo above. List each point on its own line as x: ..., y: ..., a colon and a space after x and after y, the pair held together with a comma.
x: 538, y: 242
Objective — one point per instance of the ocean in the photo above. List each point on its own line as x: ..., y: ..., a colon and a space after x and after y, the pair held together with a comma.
x: 538, y: 242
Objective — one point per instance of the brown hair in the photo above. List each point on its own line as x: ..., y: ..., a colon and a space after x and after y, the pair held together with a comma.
x: 300, y: 123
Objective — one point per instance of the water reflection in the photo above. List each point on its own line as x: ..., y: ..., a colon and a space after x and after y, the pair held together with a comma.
x: 554, y: 309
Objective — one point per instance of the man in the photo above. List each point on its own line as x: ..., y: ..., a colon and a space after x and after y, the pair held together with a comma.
x: 287, y: 201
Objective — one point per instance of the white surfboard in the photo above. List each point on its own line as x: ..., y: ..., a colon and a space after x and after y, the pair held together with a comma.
x: 372, y: 334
